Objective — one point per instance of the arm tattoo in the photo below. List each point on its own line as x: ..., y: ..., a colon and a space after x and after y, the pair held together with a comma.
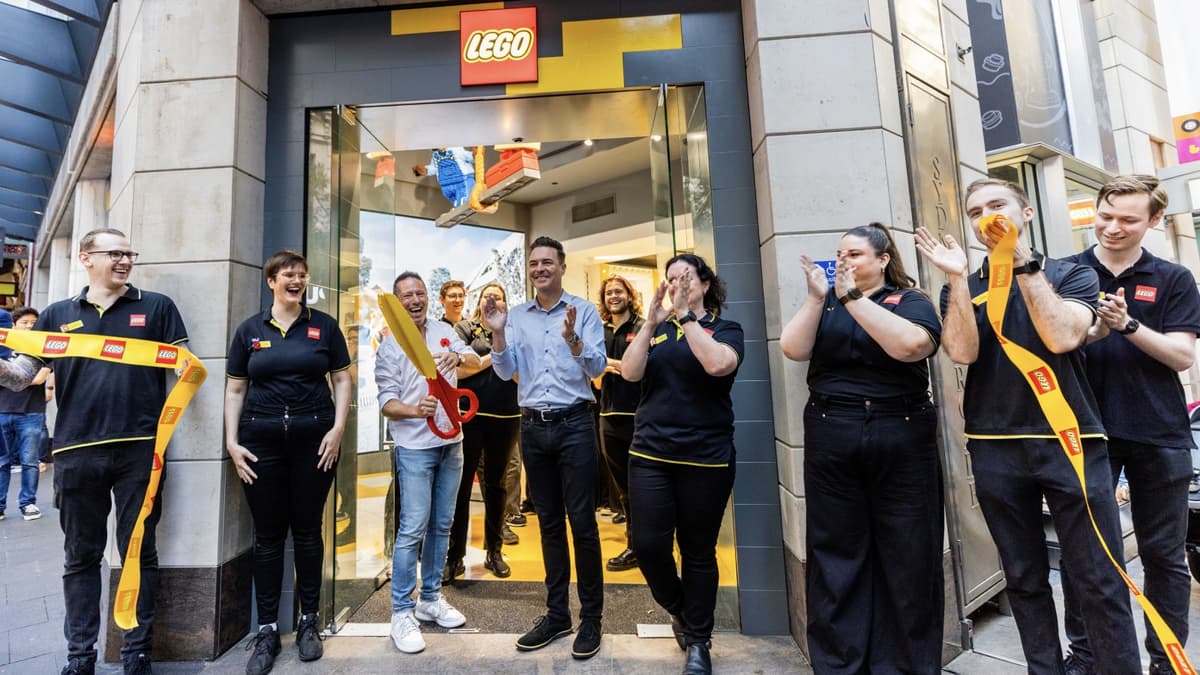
x: 18, y: 373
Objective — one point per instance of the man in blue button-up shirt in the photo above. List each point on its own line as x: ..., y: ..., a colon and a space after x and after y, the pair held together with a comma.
x: 555, y: 344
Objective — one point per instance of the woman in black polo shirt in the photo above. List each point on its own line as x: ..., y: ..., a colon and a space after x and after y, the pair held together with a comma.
x: 284, y: 431
x: 681, y: 460
x: 490, y: 435
x: 872, y: 481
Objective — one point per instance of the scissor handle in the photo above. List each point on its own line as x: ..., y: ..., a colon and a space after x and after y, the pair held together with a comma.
x: 448, y: 396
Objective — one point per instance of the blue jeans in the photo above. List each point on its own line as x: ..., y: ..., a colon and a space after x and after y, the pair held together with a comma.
x: 427, y: 482
x: 23, y: 436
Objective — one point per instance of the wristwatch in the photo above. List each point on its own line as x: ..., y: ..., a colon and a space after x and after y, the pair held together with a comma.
x: 1130, y: 327
x: 1032, y: 267
x: 574, y: 340
x: 852, y: 294
x: 690, y: 316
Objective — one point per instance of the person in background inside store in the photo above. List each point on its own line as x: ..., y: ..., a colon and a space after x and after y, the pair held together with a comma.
x: 555, y: 343
x: 682, y: 459
x: 283, y: 431
x: 453, y: 296
x: 872, y: 478
x: 428, y: 467
x: 104, y: 440
x: 23, y: 428
x: 1015, y: 455
x: 621, y: 312
x: 1146, y: 336
x: 489, y: 436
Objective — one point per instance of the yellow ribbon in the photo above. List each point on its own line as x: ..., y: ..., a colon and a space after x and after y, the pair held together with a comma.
x: 1041, y: 379
x: 135, y: 353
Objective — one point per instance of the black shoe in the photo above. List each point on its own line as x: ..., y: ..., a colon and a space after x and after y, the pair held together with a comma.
x: 698, y: 660
x: 1161, y: 668
x: 677, y: 628
x: 1073, y: 665
x: 80, y: 665
x: 543, y: 633
x: 587, y: 642
x: 308, y: 638
x: 495, y: 562
x: 266, y: 647
x: 627, y: 560
x: 619, y: 518
x: 518, y: 520
x: 526, y: 506
x: 509, y: 537
x: 136, y: 664
x: 454, y: 568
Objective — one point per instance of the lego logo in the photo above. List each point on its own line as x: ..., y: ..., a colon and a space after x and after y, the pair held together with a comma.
x: 167, y: 355
x: 113, y: 349
x: 1071, y: 439
x: 55, y: 345
x: 1001, y: 276
x: 170, y: 415
x: 1145, y: 293
x: 504, y: 44
x: 1042, y: 381
x: 3, y: 336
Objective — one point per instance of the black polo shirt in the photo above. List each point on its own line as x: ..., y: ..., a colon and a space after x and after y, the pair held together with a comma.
x: 1141, y: 399
x: 686, y: 415
x: 846, y: 362
x: 287, y: 369
x: 998, y: 401
x: 31, y: 399
x: 619, y: 396
x: 497, y: 396
x: 101, y: 401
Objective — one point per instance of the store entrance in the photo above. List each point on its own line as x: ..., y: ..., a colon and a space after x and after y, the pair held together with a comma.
x: 620, y: 178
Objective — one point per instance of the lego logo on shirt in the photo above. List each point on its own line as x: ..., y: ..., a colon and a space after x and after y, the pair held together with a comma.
x: 1145, y: 293
x: 1043, y: 381
x: 893, y: 299
x: 314, y: 333
x: 113, y: 349
x: 56, y: 345
x: 137, y: 320
x: 167, y: 355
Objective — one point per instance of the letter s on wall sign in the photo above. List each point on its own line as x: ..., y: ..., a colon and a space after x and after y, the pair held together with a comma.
x: 498, y: 46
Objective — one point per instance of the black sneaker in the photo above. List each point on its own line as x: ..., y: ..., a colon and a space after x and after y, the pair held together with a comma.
x: 136, y: 664
x: 266, y: 647
x: 587, y: 642
x: 1161, y: 668
x: 454, y: 568
x: 509, y: 537
x: 495, y: 562
x: 80, y: 665
x: 527, y: 506
x: 543, y: 633
x: 518, y: 520
x: 1073, y: 665
x: 308, y: 638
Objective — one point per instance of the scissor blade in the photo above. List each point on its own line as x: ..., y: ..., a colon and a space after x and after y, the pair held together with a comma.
x: 407, y: 334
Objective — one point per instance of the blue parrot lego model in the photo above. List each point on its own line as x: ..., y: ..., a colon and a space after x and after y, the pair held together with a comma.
x: 455, y: 171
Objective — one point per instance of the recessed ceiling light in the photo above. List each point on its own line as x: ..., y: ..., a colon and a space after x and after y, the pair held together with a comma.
x: 656, y: 138
x: 588, y: 142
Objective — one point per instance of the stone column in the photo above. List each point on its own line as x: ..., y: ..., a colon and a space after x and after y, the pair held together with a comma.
x: 187, y: 186
x: 91, y: 213
x: 58, y: 280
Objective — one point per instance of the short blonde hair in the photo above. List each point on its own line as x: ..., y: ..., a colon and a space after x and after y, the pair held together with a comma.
x: 1017, y: 190
x: 1135, y: 184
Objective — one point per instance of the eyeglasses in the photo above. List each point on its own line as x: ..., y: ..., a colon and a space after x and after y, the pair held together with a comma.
x: 116, y: 256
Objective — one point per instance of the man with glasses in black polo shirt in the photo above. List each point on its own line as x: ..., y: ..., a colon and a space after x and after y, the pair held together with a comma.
x: 104, y: 439
x: 555, y: 344
x: 1149, y: 319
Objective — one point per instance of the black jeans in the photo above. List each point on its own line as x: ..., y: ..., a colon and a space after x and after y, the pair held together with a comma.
x: 86, y: 481
x: 873, y: 491
x: 616, y: 433
x: 681, y: 502
x: 560, y: 466
x: 1158, y: 494
x: 1011, y: 478
x: 492, y: 439
x: 289, y: 492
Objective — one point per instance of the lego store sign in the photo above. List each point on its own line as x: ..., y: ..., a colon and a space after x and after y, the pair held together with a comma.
x: 499, y: 46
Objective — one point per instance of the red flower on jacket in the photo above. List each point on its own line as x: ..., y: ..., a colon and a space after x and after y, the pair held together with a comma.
x: 446, y: 342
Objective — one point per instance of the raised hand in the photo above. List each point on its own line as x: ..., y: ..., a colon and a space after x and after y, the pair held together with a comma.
x: 679, y: 292
x: 1113, y: 310
x: 495, y: 314
x: 656, y: 313
x: 818, y: 286
x: 946, y: 255
x: 568, y: 330
x: 844, y: 280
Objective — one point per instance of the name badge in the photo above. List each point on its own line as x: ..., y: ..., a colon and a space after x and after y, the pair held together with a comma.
x: 629, y: 338
x: 68, y: 327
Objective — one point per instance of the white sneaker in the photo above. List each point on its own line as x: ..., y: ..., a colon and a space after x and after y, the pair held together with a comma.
x: 440, y: 611
x: 31, y: 512
x: 406, y: 633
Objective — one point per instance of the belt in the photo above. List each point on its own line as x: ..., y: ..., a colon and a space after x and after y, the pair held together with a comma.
x: 893, y: 402
x: 552, y: 415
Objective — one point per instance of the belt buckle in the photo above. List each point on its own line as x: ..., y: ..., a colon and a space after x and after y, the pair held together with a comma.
x: 542, y: 415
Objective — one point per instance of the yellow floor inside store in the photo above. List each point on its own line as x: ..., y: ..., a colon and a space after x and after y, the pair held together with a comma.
x: 367, y: 557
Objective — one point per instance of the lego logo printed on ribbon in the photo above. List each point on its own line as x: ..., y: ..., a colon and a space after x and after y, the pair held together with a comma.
x: 1070, y: 439
x: 55, y: 345
x: 167, y: 355
x: 1145, y: 293
x: 1043, y: 380
x: 113, y: 349
x: 498, y: 46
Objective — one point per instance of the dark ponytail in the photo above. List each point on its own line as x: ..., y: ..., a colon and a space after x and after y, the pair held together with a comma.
x: 881, y: 240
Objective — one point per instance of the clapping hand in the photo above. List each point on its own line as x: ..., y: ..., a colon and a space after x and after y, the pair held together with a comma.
x: 656, y: 313
x: 679, y: 291
x: 945, y: 255
x: 844, y: 279
x: 818, y: 285
x: 1113, y: 310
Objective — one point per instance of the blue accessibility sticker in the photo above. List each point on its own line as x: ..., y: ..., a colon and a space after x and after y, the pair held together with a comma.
x: 830, y: 267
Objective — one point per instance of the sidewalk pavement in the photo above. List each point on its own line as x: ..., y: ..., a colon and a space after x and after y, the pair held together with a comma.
x: 31, y: 637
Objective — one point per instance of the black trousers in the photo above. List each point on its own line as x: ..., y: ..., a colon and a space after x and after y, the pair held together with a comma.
x: 86, y: 482
x: 873, y: 491
x: 560, y: 467
x: 289, y: 493
x: 1158, y: 492
x: 670, y: 502
x: 492, y: 439
x: 1011, y: 478
x: 616, y: 433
